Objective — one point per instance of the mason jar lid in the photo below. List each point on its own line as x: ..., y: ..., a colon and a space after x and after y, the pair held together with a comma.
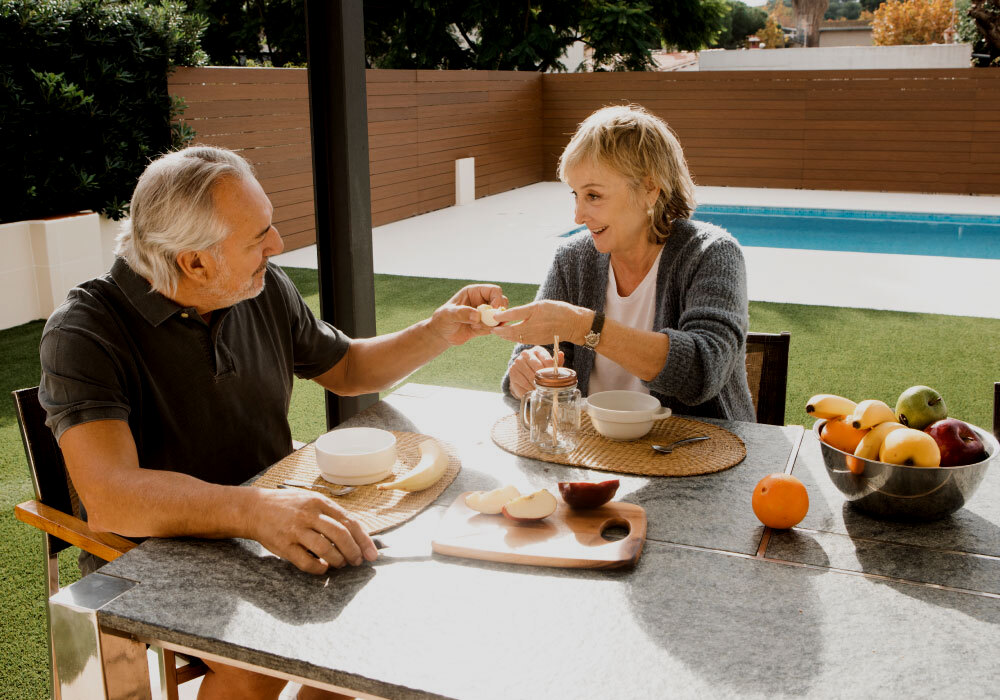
x: 555, y: 378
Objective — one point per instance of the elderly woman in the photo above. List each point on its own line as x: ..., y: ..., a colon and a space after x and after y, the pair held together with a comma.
x: 645, y: 299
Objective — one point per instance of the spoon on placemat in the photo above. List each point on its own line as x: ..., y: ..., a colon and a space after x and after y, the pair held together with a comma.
x: 338, y: 491
x: 667, y: 449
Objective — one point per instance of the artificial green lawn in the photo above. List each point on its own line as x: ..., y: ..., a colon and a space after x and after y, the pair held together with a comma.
x: 858, y: 353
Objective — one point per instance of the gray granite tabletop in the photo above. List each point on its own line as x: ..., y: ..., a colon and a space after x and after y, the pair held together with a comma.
x: 841, y: 606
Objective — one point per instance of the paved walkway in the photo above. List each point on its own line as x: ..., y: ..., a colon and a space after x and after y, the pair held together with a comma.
x: 510, y: 237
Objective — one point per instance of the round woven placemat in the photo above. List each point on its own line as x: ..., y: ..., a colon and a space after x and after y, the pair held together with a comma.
x: 595, y: 451
x: 375, y: 510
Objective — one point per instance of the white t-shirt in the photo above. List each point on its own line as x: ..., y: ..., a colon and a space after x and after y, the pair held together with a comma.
x: 637, y: 311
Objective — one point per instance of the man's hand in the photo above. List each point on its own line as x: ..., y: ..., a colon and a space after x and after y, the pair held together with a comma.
x: 522, y: 371
x: 457, y: 321
x: 309, y: 530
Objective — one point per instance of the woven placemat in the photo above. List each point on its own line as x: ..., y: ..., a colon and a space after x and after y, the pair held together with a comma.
x: 595, y: 451
x: 375, y: 510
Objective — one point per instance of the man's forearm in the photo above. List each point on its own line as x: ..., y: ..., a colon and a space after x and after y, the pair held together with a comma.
x: 153, y: 503
x: 373, y: 364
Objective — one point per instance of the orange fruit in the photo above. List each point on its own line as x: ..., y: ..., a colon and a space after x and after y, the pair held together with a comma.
x: 841, y: 434
x: 780, y: 501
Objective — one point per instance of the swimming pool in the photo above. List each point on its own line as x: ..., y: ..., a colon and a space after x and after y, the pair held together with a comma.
x: 948, y: 235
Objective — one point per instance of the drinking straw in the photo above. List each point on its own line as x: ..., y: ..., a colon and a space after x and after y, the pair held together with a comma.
x: 555, y: 394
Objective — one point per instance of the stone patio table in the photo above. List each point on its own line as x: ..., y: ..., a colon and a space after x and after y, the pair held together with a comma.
x: 717, y: 606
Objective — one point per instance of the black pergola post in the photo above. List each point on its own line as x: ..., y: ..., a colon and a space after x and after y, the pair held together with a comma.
x: 338, y: 115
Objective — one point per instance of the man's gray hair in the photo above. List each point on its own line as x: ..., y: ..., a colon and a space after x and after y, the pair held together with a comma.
x: 172, y: 212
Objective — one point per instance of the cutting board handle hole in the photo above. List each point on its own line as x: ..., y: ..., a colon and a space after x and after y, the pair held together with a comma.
x: 616, y: 529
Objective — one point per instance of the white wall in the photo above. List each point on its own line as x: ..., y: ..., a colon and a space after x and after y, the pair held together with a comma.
x: 45, y: 258
x: 839, y: 58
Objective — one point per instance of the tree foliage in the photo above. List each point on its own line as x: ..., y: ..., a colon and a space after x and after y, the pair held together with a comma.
x: 476, y: 34
x: 986, y: 16
x: 899, y: 22
x: 739, y: 22
x: 772, y: 36
x: 843, y: 9
x: 83, y: 100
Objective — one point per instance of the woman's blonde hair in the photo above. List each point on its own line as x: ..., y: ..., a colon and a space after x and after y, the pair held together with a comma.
x: 638, y: 145
x: 172, y: 211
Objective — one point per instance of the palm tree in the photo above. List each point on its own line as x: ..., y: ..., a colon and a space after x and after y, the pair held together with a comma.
x: 808, y: 15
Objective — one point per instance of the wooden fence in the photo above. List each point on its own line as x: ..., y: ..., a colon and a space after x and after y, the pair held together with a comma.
x: 419, y: 123
x: 902, y: 131
x: 877, y: 130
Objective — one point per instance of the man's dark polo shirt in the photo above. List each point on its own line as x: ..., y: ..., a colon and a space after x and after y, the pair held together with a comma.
x: 206, y: 399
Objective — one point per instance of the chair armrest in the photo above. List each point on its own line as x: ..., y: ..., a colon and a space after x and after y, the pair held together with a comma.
x: 106, y: 545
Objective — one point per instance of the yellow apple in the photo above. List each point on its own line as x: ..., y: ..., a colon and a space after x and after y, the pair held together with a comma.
x: 913, y: 448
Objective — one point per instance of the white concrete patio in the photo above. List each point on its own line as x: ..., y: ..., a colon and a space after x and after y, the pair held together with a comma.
x: 510, y: 237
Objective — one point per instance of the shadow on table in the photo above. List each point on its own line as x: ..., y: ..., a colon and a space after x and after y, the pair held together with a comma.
x: 943, y: 552
x: 753, y: 627
x: 184, y: 575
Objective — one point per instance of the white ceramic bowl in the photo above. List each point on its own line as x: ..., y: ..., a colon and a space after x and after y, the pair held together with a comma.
x: 624, y: 415
x: 355, y: 456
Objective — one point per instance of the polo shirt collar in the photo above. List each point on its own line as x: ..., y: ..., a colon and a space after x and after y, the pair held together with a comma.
x: 153, y: 306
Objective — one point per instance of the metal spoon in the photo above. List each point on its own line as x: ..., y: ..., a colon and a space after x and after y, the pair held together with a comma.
x: 292, y: 484
x: 667, y: 449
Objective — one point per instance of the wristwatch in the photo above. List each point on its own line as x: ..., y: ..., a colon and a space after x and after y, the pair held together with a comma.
x: 594, y: 337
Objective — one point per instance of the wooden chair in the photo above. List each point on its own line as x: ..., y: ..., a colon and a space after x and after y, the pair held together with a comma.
x: 767, y: 374
x: 55, y: 511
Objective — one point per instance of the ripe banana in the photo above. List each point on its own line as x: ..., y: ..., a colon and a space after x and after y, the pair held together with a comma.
x: 870, y: 413
x: 829, y: 406
x: 869, y: 446
x: 431, y: 467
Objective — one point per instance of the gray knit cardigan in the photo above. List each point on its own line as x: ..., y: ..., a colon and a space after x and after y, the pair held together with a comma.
x: 701, y: 293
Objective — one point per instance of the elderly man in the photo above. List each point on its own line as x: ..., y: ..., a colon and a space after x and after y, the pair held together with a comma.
x: 167, y: 381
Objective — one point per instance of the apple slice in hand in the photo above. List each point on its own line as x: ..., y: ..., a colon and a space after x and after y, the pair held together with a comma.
x: 486, y: 314
x: 581, y: 495
x: 535, y: 506
x: 491, y: 502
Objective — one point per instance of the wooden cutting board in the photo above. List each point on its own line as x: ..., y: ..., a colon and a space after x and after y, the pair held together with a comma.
x: 567, y: 538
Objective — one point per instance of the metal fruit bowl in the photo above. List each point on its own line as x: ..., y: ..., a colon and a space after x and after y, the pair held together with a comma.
x: 905, y: 493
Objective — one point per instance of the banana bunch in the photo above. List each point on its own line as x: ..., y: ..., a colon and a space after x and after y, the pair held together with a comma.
x: 872, y: 415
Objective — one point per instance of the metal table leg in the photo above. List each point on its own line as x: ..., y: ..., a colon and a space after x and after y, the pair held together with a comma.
x: 88, y: 661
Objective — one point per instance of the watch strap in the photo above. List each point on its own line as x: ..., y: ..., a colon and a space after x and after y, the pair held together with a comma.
x: 594, y: 336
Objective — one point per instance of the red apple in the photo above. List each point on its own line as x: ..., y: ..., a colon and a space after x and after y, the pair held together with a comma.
x: 582, y: 495
x: 958, y: 442
x: 535, y: 506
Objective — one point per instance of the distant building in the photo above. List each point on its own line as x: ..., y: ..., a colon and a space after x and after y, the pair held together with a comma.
x: 845, y: 32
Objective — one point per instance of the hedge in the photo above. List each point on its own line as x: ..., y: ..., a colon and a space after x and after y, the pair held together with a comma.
x: 84, y: 102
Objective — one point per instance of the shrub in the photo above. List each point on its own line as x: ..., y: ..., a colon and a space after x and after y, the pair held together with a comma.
x: 84, y: 102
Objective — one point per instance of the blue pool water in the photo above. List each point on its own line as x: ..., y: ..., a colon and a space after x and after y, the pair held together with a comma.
x: 958, y: 236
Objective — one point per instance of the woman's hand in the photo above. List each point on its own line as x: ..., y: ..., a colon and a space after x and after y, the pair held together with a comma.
x: 541, y: 321
x: 458, y: 321
x: 522, y: 371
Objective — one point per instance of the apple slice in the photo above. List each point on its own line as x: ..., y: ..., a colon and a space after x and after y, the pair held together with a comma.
x: 491, y: 502
x: 486, y: 314
x: 533, y: 507
x: 581, y: 495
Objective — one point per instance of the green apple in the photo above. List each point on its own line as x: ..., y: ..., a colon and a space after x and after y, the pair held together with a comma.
x: 919, y: 406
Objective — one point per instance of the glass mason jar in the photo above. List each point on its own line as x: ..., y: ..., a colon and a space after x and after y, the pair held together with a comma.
x: 551, y: 412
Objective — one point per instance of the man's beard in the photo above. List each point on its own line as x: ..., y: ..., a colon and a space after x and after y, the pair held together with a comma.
x: 223, y: 288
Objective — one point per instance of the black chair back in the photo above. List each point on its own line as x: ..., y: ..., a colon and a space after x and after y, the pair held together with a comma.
x: 45, y: 460
x: 996, y: 410
x: 767, y: 374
